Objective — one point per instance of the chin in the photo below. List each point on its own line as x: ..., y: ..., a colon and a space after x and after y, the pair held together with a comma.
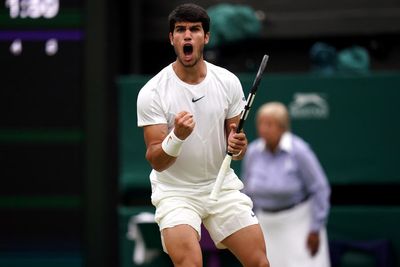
x: 188, y: 64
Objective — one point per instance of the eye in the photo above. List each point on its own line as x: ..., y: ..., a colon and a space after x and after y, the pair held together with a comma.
x: 195, y: 29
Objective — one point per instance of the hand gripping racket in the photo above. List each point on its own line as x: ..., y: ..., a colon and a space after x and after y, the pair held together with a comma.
x: 228, y: 158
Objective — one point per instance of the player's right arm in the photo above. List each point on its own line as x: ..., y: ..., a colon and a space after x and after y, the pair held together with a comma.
x: 155, y: 135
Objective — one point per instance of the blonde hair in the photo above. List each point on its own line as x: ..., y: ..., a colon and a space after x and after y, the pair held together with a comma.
x: 278, y: 111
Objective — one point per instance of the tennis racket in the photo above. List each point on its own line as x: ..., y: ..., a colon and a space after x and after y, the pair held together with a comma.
x: 226, y: 164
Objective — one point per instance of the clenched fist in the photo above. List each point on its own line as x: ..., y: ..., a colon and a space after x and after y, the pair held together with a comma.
x: 184, y: 124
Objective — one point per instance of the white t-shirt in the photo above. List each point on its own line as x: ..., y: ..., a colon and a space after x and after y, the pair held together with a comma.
x: 217, y: 98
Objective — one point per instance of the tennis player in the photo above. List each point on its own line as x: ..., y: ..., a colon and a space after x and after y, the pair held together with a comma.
x: 189, y: 113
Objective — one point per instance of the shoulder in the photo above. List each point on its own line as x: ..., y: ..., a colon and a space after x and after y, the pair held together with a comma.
x: 221, y: 73
x: 155, y: 86
x: 157, y: 80
x: 301, y: 148
x: 299, y: 142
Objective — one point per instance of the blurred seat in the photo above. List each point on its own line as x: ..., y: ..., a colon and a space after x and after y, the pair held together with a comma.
x: 363, y: 253
x: 143, y: 230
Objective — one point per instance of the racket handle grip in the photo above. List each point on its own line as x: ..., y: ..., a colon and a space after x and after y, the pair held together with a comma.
x: 221, y: 177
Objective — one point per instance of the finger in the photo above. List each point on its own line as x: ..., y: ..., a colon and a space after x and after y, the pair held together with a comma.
x: 181, y: 114
x: 192, y: 124
x: 188, y: 120
x: 188, y: 123
x: 239, y: 142
x: 187, y: 116
x: 239, y: 136
x: 233, y: 146
x: 184, y: 118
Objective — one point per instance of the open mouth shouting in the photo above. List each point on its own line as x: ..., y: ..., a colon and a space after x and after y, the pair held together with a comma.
x: 188, y: 52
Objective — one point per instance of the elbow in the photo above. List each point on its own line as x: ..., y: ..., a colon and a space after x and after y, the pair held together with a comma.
x: 158, y: 168
x: 153, y: 163
x: 162, y: 166
x: 157, y: 165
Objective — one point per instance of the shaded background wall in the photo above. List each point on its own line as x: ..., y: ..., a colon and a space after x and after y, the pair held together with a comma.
x: 69, y: 167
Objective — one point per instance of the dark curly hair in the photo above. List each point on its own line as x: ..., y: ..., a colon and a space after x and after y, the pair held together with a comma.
x: 190, y: 13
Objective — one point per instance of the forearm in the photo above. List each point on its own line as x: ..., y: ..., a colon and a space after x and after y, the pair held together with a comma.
x: 320, y: 210
x: 164, y: 147
x: 162, y: 155
x: 158, y: 159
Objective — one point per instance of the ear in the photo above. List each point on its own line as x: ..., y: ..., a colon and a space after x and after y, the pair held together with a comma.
x: 171, y: 38
x: 207, y: 37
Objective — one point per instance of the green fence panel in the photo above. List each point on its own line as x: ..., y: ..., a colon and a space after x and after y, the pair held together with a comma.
x: 133, y: 168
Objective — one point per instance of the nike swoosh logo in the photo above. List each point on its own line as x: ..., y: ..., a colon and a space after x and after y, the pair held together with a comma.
x: 197, y: 99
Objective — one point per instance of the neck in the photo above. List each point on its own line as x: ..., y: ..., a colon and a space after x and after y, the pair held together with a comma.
x: 271, y: 148
x: 190, y: 74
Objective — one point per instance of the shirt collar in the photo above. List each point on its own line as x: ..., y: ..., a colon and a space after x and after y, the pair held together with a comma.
x: 285, y: 143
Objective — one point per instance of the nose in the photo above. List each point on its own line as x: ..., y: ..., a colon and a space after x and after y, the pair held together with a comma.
x: 187, y: 35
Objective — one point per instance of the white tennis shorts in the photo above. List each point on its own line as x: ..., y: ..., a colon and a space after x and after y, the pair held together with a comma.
x: 230, y: 213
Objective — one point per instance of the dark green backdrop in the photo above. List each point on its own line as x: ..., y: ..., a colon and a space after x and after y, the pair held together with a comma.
x: 351, y: 121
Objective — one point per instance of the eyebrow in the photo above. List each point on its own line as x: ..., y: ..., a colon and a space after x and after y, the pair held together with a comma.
x: 192, y: 27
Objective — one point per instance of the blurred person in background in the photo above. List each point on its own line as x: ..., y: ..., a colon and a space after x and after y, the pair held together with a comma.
x: 290, y: 191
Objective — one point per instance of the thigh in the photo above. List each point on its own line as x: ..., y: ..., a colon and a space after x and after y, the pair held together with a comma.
x: 181, y: 215
x: 182, y: 245
x: 180, y: 234
x: 248, y: 245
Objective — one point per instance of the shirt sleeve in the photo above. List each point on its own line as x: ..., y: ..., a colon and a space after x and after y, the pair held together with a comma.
x: 149, y: 107
x: 317, y: 186
x: 237, y: 98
